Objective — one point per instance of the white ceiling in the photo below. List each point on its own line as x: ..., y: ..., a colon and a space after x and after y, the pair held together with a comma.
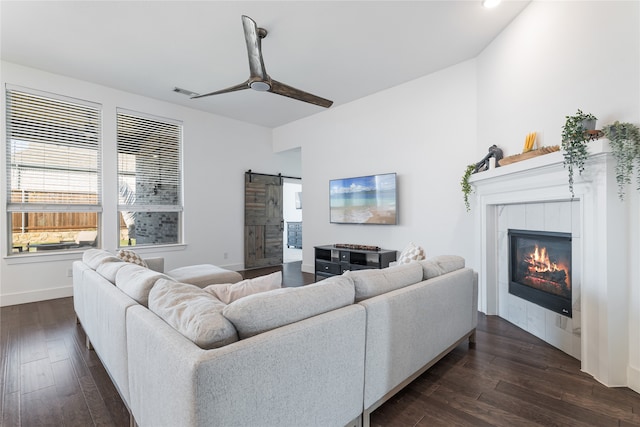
x: 340, y: 50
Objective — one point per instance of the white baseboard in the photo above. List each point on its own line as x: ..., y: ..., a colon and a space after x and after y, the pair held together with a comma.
x: 633, y: 378
x: 306, y: 268
x: 34, y: 296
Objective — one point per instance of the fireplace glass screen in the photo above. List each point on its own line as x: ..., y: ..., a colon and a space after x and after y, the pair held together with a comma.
x: 540, y: 268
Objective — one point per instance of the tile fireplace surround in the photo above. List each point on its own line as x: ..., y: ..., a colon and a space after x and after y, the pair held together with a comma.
x: 534, y: 194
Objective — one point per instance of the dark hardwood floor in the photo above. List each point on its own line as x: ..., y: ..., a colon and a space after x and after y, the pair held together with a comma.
x: 508, y: 378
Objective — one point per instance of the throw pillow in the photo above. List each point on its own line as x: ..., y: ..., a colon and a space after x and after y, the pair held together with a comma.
x: 265, y: 311
x: 228, y: 293
x: 411, y: 253
x: 193, y: 312
x: 130, y: 256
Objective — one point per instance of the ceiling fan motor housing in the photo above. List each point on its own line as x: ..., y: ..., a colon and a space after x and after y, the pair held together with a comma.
x: 260, y: 86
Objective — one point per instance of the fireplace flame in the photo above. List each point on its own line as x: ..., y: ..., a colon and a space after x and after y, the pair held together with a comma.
x: 546, y: 268
x: 539, y: 261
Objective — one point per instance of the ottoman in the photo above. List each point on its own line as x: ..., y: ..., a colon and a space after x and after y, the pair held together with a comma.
x: 202, y: 275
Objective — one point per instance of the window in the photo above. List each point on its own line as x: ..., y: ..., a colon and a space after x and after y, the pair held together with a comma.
x: 53, y: 171
x: 149, y: 180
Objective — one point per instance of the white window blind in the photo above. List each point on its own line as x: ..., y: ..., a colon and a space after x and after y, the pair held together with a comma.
x: 149, y: 177
x: 53, y: 153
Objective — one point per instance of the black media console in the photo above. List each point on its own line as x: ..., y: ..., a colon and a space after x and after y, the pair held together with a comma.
x: 332, y: 260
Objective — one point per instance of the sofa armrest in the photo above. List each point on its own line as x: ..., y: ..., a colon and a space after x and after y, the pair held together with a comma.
x: 101, y: 309
x: 281, y: 377
x: 410, y: 327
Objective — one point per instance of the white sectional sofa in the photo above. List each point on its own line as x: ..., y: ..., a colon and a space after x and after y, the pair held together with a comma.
x: 325, y: 354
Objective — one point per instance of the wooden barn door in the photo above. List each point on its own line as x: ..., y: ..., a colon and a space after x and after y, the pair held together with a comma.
x: 263, y: 220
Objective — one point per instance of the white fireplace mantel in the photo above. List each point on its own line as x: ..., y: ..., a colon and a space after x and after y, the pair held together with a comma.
x: 603, y: 238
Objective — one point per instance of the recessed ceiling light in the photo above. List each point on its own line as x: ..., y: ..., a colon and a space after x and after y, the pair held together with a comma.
x: 490, y: 3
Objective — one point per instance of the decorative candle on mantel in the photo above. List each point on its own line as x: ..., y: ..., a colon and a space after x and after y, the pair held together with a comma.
x: 492, y: 163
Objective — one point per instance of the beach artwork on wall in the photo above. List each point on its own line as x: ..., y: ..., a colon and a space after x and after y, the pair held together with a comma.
x: 364, y: 200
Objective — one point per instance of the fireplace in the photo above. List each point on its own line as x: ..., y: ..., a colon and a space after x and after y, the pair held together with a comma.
x: 603, y: 330
x: 540, y: 268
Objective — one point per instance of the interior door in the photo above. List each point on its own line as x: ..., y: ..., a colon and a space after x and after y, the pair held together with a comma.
x: 263, y: 220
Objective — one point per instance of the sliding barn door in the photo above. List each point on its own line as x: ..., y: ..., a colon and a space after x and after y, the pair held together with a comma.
x: 263, y: 220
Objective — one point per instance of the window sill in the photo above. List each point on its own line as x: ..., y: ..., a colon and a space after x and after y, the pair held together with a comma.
x: 74, y: 255
x: 155, y: 249
x: 33, y: 257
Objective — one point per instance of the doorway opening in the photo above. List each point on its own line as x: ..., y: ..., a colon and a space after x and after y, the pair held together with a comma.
x: 292, y: 214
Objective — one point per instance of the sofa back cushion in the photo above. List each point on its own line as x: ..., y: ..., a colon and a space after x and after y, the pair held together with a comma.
x: 194, y: 313
x: 440, y: 265
x: 229, y: 292
x: 264, y: 311
x: 370, y: 283
x: 109, y: 269
x: 94, y: 257
x: 137, y: 281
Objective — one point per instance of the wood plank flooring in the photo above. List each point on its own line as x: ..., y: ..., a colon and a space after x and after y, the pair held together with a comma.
x: 508, y: 378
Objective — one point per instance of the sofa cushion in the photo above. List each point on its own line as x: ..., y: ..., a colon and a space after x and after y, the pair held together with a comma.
x: 130, y: 256
x: 137, y: 281
x: 229, y: 292
x: 194, y: 313
x: 369, y: 283
x: 264, y: 311
x: 204, y: 274
x: 440, y: 265
x: 430, y: 269
x: 449, y: 263
x: 94, y: 257
x: 109, y: 270
x: 411, y: 253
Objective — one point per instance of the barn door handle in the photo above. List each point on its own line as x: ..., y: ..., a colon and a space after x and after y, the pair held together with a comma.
x: 282, y: 225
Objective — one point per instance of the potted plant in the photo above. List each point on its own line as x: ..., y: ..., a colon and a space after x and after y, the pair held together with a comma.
x: 466, y: 186
x: 574, y: 142
x: 624, y: 139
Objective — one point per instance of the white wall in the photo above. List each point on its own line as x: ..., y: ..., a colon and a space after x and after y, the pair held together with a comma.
x: 217, y: 152
x: 425, y: 131
x: 554, y: 58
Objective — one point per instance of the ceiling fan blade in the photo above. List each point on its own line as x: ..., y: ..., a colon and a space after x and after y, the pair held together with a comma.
x: 286, y: 90
x: 254, y: 47
x: 241, y: 86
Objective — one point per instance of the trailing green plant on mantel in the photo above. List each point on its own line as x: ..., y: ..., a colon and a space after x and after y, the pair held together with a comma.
x: 574, y: 142
x: 624, y: 139
x: 466, y: 186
